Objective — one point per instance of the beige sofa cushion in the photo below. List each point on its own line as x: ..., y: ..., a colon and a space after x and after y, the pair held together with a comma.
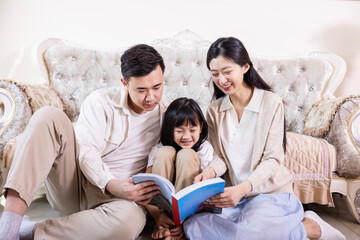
x: 310, y: 160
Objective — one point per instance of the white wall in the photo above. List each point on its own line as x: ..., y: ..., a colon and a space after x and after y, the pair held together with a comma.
x: 269, y: 28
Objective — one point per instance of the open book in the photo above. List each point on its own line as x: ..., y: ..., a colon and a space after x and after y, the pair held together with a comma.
x: 187, y: 201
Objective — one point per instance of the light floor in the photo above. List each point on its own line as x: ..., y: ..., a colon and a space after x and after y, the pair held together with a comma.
x: 339, y: 217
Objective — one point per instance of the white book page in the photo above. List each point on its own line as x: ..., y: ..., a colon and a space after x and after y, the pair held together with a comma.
x: 191, y: 188
x: 166, y: 187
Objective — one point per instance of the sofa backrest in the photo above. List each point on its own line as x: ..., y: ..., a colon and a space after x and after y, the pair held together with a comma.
x: 74, y: 71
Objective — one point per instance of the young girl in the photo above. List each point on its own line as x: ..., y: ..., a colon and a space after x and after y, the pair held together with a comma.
x: 246, y: 129
x: 182, y: 154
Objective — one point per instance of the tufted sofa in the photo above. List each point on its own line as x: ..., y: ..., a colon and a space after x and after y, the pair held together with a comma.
x: 314, y: 117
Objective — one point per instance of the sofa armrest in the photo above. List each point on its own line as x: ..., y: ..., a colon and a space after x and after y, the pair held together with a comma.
x: 338, y: 121
x: 6, y: 161
x: 18, y: 101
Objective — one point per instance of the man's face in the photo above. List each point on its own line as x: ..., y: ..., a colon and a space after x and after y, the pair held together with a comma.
x: 145, y: 92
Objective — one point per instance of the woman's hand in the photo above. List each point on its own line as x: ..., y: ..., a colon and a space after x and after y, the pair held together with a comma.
x: 140, y: 193
x: 231, y: 195
x: 208, y: 173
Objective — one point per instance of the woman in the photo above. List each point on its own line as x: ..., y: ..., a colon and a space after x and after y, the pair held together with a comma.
x: 246, y: 129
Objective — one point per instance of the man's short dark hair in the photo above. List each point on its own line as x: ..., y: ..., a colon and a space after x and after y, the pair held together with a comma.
x: 139, y: 61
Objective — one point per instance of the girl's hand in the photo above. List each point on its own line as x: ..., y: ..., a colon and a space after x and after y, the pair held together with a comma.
x: 208, y: 173
x: 231, y: 195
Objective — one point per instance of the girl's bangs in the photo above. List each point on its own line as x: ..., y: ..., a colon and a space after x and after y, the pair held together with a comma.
x: 186, y: 116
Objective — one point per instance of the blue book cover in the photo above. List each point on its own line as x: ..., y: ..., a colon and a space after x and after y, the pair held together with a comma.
x: 187, y: 201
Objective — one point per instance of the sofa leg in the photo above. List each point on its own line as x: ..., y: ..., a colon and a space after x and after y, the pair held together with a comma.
x: 350, y: 189
x: 1, y: 182
x: 353, y: 199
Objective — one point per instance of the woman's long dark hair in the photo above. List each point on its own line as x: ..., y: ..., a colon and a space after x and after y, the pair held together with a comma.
x: 232, y: 49
x: 182, y: 111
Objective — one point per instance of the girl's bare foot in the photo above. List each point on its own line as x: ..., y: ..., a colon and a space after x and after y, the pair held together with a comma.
x: 177, y: 233
x: 160, y: 232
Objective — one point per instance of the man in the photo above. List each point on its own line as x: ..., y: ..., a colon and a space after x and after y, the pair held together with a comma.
x: 87, y: 172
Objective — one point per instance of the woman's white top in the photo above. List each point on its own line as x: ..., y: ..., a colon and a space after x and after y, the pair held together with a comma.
x: 239, y: 137
x: 205, y: 153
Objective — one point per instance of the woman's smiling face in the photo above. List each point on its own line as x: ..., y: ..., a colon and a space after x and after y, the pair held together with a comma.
x: 227, y: 75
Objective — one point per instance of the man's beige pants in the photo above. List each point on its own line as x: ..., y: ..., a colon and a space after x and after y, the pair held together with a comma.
x: 48, y: 152
x: 184, y: 164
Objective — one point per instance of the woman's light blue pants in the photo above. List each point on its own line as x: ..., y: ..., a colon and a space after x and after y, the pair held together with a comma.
x: 267, y: 216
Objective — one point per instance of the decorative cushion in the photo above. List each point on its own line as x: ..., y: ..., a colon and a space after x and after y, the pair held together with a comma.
x: 310, y: 160
x: 20, y: 115
x: 337, y: 120
x: 26, y: 99
x: 42, y: 95
x: 321, y: 115
x: 344, y: 135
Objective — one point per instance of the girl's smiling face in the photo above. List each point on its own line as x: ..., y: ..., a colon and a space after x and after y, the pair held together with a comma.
x: 186, y: 135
